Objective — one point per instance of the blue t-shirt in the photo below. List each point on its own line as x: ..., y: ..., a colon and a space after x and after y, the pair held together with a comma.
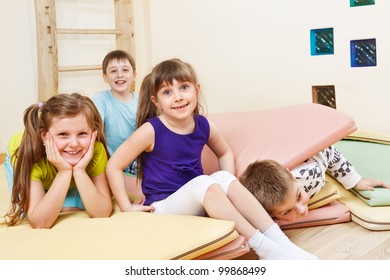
x: 175, y: 159
x: 119, y: 118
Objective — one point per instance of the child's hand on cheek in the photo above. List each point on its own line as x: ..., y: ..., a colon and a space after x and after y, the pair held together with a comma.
x: 82, y: 164
x: 53, y: 155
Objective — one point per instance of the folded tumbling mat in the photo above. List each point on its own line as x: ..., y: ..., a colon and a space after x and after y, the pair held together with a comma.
x: 234, y: 249
x: 324, y: 209
x: 379, y: 197
x: 288, y: 135
x: 329, y: 193
x: 329, y: 214
x: 372, y: 218
x: 371, y: 158
x: 374, y: 137
x: 123, y: 236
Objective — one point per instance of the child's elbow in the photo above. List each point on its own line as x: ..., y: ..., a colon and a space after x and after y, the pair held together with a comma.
x: 108, y: 211
x: 105, y: 212
x: 40, y: 225
x: 39, y: 221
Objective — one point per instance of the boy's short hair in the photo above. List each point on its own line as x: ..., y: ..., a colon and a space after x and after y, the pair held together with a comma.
x: 117, y: 55
x: 268, y: 181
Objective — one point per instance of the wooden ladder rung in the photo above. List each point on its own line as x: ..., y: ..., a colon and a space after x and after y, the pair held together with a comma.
x: 79, y: 68
x: 47, y: 46
x: 89, y: 31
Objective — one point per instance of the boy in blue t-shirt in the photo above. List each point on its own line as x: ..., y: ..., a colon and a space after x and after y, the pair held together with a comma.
x: 118, y: 105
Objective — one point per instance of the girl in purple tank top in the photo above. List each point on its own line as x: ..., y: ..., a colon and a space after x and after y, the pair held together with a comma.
x: 168, y: 145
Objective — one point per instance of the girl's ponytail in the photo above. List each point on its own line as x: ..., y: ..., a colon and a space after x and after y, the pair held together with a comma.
x: 29, y: 151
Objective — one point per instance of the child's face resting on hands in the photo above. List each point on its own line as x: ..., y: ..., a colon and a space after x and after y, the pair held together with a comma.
x: 72, y: 136
x: 294, y: 205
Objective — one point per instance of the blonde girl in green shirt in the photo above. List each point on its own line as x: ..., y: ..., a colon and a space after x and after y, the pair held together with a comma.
x: 60, y: 157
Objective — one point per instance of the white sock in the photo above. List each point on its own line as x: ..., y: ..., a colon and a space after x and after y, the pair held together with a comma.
x: 268, y: 249
x: 276, y: 234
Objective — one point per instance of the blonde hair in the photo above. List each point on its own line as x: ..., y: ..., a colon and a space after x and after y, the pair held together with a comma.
x: 268, y: 181
x: 163, y: 73
x: 37, y: 119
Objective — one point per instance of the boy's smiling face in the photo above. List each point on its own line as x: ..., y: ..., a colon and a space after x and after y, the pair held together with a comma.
x: 119, y: 75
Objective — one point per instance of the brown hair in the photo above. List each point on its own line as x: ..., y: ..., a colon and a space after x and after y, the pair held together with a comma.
x: 268, y: 181
x: 37, y: 119
x: 163, y: 73
x: 117, y: 55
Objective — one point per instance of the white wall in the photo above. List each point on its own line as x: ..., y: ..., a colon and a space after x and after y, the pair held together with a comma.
x: 255, y: 54
x: 84, y: 49
x: 18, y: 65
x: 249, y: 54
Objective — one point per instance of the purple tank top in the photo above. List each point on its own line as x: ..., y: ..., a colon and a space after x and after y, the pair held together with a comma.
x: 175, y: 159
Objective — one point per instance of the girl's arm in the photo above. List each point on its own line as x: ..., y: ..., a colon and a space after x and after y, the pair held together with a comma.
x: 141, y: 140
x: 221, y: 149
x: 44, y: 207
x: 94, y: 192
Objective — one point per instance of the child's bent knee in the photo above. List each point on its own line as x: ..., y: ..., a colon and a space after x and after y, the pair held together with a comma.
x: 215, y: 190
x: 224, y: 179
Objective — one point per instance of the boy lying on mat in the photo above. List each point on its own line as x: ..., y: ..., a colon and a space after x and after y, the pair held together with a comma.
x: 285, y: 194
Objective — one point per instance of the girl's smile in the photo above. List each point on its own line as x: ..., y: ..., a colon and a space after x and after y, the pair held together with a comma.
x: 180, y: 107
x: 72, y: 136
x: 177, y: 97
